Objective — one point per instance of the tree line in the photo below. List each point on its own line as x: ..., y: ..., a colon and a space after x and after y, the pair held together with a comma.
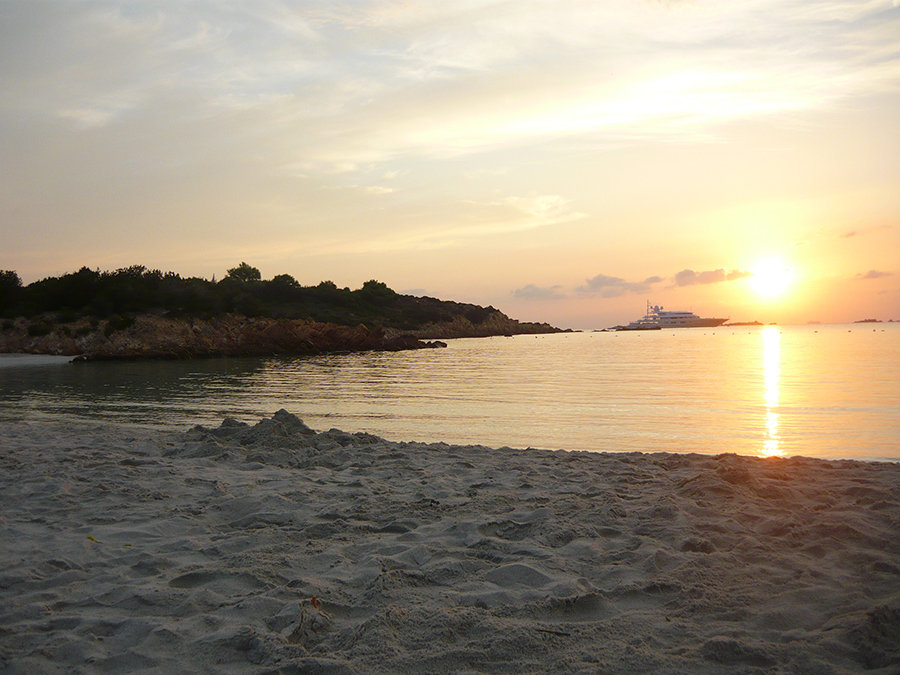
x: 136, y: 290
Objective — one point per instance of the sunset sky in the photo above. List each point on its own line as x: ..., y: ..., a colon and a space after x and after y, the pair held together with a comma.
x: 564, y: 161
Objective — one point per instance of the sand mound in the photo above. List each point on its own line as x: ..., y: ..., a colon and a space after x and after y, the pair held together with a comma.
x: 271, y: 548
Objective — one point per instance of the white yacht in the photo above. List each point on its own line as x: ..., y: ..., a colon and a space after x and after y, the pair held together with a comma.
x: 657, y: 318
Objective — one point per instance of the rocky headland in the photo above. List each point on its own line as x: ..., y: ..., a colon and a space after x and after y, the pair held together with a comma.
x: 158, y: 337
x: 495, y: 323
x: 151, y: 336
x: 138, y: 313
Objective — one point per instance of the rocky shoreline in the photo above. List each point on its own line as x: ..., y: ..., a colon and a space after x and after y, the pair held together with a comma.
x: 159, y: 337
x: 496, y: 323
x: 150, y: 336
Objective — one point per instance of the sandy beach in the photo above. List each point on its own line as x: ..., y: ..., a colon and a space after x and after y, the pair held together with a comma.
x: 270, y: 548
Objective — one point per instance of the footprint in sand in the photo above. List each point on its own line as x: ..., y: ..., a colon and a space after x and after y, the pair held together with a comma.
x: 221, y: 582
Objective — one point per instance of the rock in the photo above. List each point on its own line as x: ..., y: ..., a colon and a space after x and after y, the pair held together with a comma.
x: 495, y: 323
x: 158, y: 337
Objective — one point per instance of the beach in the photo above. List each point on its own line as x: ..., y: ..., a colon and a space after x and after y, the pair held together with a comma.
x: 269, y: 547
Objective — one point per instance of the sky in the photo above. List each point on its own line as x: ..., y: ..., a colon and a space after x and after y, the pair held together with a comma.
x: 564, y: 161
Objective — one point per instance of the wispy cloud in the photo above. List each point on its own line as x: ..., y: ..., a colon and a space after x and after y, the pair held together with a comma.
x: 377, y: 190
x: 541, y: 210
x: 101, y: 111
x: 612, y: 287
x: 692, y: 278
x: 532, y: 292
x: 874, y: 274
x: 445, y: 224
x: 426, y: 79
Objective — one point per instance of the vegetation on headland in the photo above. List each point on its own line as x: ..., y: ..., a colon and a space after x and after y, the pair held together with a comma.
x: 68, y: 313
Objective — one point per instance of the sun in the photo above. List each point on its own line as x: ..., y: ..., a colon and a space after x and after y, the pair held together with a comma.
x: 771, y: 277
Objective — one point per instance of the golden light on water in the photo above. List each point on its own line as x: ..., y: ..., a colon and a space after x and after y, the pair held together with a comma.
x: 771, y: 370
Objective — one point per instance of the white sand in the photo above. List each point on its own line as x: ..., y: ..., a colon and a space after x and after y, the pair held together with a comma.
x: 127, y: 551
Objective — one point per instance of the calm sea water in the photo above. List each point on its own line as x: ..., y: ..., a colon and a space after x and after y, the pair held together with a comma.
x: 821, y: 391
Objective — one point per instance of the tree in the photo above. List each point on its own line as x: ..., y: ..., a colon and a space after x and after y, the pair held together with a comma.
x: 10, y: 290
x: 285, y: 280
x: 244, y: 272
x: 377, y: 291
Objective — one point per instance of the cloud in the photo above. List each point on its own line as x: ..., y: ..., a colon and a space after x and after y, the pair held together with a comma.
x: 375, y: 81
x: 874, y: 274
x: 692, y: 278
x: 101, y: 111
x: 502, y: 217
x: 463, y: 88
x: 532, y: 292
x: 541, y: 210
x: 209, y: 114
x: 445, y: 223
x: 613, y: 287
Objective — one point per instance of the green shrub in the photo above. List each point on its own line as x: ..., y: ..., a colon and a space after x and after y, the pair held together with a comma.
x: 67, y: 316
x: 116, y: 323
x: 40, y: 328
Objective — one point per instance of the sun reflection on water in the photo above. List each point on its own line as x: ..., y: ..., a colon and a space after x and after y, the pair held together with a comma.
x: 771, y: 369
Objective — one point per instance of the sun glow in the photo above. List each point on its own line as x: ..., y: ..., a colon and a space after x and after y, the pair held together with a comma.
x: 771, y: 277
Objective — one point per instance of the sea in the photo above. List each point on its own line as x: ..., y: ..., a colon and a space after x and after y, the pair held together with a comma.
x: 827, y: 391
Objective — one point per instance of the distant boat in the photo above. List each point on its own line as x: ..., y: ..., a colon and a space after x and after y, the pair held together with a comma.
x: 658, y: 318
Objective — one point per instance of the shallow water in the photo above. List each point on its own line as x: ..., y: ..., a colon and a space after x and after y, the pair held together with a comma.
x: 820, y: 391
